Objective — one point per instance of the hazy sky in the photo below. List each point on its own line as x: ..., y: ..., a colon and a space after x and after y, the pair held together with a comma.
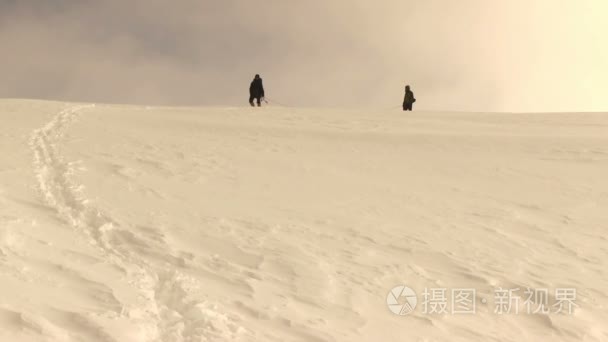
x: 486, y: 55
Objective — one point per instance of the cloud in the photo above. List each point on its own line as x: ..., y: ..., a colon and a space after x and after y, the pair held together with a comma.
x: 465, y: 55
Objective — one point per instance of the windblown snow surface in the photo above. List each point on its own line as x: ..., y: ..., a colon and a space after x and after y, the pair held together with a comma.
x: 123, y: 223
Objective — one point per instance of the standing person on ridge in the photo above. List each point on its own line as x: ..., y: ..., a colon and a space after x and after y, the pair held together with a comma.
x: 256, y: 91
x: 408, y: 100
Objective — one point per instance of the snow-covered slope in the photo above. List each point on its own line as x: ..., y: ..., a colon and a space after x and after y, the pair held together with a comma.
x: 123, y: 223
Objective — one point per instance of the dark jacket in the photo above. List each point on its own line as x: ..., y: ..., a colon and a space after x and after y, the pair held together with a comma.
x: 257, y: 88
x: 409, y: 97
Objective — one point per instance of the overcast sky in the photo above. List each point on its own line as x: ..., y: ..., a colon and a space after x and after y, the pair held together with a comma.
x: 483, y: 55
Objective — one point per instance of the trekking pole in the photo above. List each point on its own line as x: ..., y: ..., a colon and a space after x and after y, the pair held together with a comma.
x: 275, y: 102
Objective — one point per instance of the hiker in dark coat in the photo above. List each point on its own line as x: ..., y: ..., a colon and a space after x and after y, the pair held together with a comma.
x: 409, y: 99
x: 256, y: 91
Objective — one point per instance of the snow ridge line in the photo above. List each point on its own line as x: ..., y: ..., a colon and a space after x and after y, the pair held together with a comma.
x: 163, y: 312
